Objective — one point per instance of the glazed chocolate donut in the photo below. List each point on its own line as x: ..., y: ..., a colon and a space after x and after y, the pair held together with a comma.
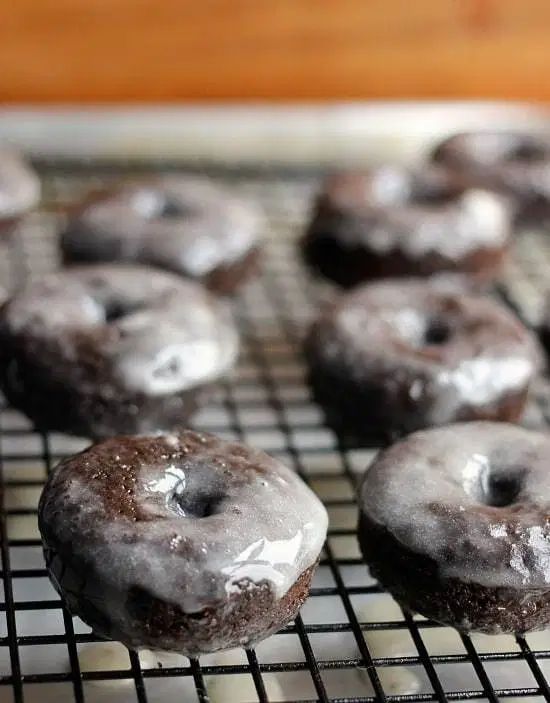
x: 516, y: 164
x: 454, y: 523
x: 180, y: 223
x: 180, y: 542
x: 112, y: 349
x: 394, y: 222
x: 394, y: 356
x: 19, y: 189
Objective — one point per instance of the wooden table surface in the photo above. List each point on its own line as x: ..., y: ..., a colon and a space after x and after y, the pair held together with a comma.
x: 166, y: 50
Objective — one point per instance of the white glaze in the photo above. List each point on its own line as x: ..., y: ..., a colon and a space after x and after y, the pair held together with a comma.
x: 388, y: 215
x: 396, y: 680
x: 481, y: 381
x: 388, y: 185
x: 478, y: 219
x: 19, y: 186
x: 184, y: 346
x: 495, y: 159
x: 490, y: 545
x: 481, y: 148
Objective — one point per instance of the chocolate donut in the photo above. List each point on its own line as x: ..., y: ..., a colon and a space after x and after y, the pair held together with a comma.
x: 395, y: 222
x: 19, y: 189
x: 182, y: 224
x: 516, y: 164
x: 180, y: 542
x: 394, y: 356
x: 112, y: 349
x: 454, y: 522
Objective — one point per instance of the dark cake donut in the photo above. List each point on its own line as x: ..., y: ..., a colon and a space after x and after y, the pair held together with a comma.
x: 395, y: 222
x: 112, y: 349
x: 181, y: 223
x: 395, y: 356
x: 454, y: 523
x: 19, y: 189
x: 513, y: 163
x: 180, y: 542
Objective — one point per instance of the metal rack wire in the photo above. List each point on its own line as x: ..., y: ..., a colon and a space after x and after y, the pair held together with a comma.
x: 351, y: 643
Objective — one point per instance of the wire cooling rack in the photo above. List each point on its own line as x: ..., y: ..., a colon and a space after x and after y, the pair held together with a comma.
x: 351, y: 642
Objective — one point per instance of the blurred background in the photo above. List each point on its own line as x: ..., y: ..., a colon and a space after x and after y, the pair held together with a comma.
x: 90, y: 51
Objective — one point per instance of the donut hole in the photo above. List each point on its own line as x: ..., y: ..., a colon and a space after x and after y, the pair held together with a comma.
x: 434, y: 197
x: 499, y: 488
x: 195, y: 504
x: 116, y: 309
x: 526, y: 151
x: 168, y: 367
x: 169, y: 208
x: 434, y: 191
x: 97, y: 283
x: 437, y: 332
x: 153, y: 205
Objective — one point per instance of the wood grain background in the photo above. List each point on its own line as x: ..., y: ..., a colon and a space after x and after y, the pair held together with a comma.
x: 165, y: 50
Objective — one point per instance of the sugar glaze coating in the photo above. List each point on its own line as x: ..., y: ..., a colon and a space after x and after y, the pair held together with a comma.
x: 181, y: 223
x: 190, y: 520
x: 391, y: 221
x: 466, y: 506
x: 408, y: 354
x: 110, y: 334
x: 19, y: 186
x: 514, y: 163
